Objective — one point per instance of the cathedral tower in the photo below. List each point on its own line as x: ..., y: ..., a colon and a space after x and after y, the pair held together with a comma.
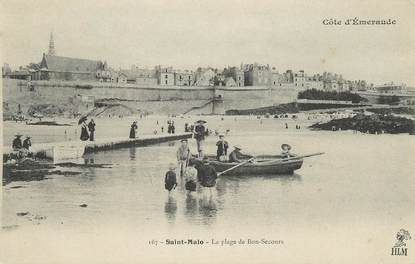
x: 51, y: 45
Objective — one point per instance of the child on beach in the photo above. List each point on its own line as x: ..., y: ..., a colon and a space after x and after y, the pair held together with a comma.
x: 190, y: 175
x: 285, y: 151
x: 170, y: 181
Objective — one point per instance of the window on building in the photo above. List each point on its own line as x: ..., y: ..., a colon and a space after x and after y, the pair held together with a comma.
x: 166, y: 81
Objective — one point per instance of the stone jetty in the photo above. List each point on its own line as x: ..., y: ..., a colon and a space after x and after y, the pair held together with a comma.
x: 61, y: 151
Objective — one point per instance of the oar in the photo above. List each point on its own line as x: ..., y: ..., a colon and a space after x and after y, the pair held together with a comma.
x: 236, y: 166
x: 303, y: 156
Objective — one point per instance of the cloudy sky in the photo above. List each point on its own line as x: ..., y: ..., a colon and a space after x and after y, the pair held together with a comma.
x: 191, y: 33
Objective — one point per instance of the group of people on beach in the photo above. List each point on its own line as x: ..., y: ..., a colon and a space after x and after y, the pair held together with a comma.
x: 21, y: 149
x: 196, y: 169
x: 196, y: 172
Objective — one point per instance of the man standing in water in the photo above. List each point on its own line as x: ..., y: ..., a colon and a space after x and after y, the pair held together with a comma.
x: 208, y: 176
x: 199, y: 134
x: 183, y: 154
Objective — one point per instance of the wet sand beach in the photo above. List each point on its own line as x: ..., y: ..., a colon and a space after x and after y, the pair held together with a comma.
x: 354, y: 193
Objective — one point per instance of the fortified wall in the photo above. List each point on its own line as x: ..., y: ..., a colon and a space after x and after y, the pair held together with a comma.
x: 153, y: 99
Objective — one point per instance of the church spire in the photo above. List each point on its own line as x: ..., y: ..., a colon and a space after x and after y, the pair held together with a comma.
x: 51, y: 45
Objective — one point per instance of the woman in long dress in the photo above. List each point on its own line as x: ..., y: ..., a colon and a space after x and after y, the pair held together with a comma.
x: 133, y: 129
x: 84, y: 132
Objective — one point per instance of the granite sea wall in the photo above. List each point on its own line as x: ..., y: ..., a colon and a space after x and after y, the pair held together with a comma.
x: 153, y: 99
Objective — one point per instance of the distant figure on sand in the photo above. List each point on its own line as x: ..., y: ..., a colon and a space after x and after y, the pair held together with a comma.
x: 222, y: 149
x: 91, y: 128
x: 183, y: 154
x: 199, y: 134
x: 133, y: 129
x: 237, y: 156
x: 173, y: 127
x: 84, y: 132
x: 17, y: 142
x: 170, y: 181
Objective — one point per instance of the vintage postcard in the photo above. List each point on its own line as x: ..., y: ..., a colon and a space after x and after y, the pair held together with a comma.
x: 184, y: 131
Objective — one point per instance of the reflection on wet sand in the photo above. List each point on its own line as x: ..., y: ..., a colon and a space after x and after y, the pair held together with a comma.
x: 170, y: 209
x: 191, y: 207
x: 207, y: 210
x: 204, y: 205
x: 132, y: 152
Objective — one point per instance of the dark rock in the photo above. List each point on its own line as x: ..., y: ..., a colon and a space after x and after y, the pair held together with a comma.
x: 22, y: 213
x: 370, y: 124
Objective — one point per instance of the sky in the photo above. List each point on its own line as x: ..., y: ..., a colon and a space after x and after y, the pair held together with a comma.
x: 187, y: 34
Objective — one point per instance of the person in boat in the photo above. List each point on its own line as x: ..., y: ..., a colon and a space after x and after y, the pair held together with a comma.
x: 208, y: 175
x: 183, y: 154
x: 222, y: 149
x: 190, y: 175
x: 170, y: 180
x: 91, y: 128
x: 27, y: 143
x: 133, y: 129
x: 84, y: 132
x: 17, y: 142
x: 199, y: 135
x: 237, y: 156
x: 285, y: 151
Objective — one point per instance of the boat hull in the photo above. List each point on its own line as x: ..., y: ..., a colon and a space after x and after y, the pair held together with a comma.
x: 272, y: 167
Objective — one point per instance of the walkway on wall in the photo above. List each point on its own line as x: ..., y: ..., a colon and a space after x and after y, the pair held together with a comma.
x: 103, y: 110
x: 199, y: 107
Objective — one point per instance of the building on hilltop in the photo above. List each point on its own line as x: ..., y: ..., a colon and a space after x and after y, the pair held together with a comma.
x: 122, y: 78
x: 256, y: 75
x: 140, y: 76
x: 5, y: 70
x: 21, y: 74
x: 183, y: 78
x: 68, y: 69
x: 299, y: 79
x: 205, y: 77
x: 165, y: 76
x: 230, y: 82
x: 391, y: 88
x: 236, y: 74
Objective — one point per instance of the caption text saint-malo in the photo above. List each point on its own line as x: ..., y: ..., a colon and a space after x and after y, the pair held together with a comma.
x: 358, y: 21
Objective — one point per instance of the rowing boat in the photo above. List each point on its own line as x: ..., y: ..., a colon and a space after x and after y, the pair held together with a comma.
x: 262, y: 165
